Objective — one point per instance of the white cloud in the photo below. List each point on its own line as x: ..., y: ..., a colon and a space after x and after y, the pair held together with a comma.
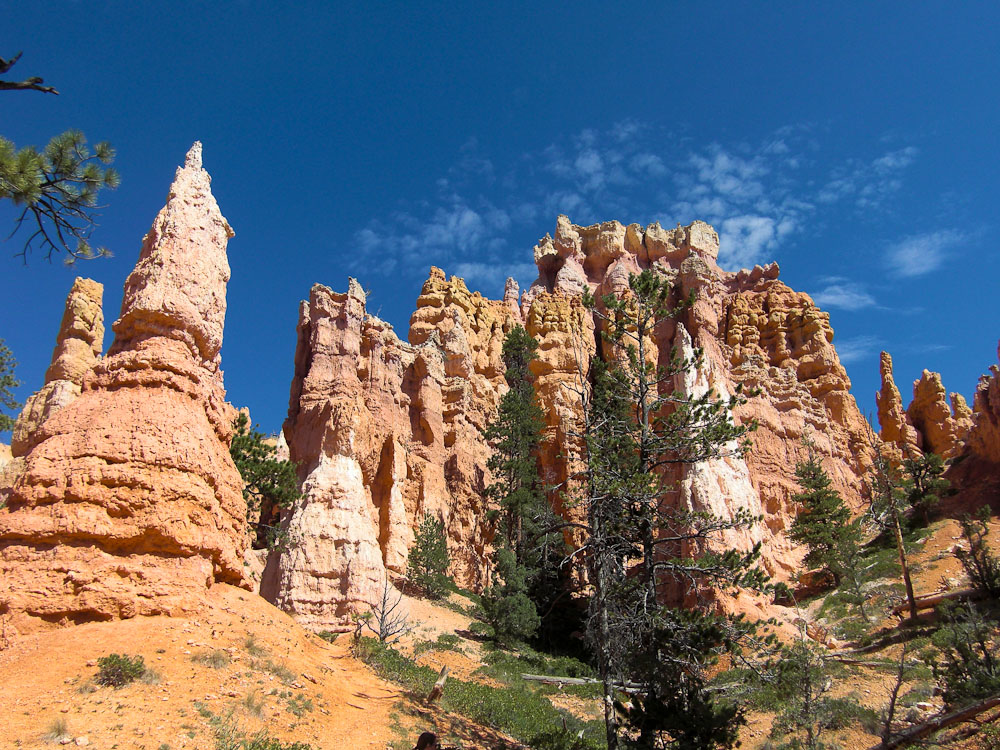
x: 743, y: 240
x: 479, y: 211
x: 922, y: 253
x: 857, y: 348
x: 843, y: 294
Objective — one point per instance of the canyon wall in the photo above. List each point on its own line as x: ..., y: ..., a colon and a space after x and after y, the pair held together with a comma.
x: 386, y: 431
x: 128, y: 502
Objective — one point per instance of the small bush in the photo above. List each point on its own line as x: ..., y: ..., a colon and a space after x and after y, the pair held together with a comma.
x: 58, y: 730
x: 253, y: 647
x: 328, y: 635
x: 253, y: 703
x: 981, y: 565
x: 299, y: 704
x: 216, y: 658
x: 118, y: 670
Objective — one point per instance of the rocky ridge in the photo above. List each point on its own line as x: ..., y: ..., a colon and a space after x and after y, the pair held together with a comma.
x: 387, y: 431
x: 129, y: 502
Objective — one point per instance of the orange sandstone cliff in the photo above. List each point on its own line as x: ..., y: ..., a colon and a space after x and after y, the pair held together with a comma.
x: 386, y: 431
x: 128, y: 502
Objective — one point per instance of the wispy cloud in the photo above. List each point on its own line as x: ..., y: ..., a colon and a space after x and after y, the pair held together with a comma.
x: 922, y: 253
x: 842, y: 293
x: 484, y: 212
x: 858, y: 348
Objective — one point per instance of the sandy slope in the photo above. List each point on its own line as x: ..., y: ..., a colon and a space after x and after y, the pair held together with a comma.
x: 45, y: 675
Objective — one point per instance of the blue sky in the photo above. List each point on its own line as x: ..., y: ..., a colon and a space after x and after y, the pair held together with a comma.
x: 854, y: 143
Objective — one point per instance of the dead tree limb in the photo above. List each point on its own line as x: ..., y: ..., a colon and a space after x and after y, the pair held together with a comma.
x: 439, y: 685
x: 936, y: 724
x: 28, y: 84
x: 932, y: 600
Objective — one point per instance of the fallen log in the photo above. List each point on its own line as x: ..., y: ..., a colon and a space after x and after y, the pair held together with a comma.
x: 937, y: 724
x: 932, y: 600
x: 559, y: 681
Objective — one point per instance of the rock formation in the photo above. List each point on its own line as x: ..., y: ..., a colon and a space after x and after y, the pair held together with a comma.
x: 897, y: 430
x: 942, y: 428
x: 984, y: 435
x: 385, y: 432
x: 78, y: 346
x: 929, y: 424
x: 752, y: 329
x: 129, y: 502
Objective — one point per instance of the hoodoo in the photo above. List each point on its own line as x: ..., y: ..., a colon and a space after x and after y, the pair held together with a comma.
x: 386, y: 432
x: 129, y: 502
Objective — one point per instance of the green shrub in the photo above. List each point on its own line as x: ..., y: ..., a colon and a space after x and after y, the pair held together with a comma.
x: 428, y: 561
x: 516, y: 710
x: 118, y: 670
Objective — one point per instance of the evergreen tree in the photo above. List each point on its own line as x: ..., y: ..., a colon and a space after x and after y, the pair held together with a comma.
x: 524, y: 519
x: 505, y: 604
x: 270, y: 484
x: 923, y: 484
x: 7, y: 385
x: 823, y: 523
x: 428, y: 562
x: 888, y: 508
x: 56, y: 188
x: 636, y: 426
x: 514, y: 436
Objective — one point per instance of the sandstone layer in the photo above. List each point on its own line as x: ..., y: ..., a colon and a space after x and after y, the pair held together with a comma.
x: 932, y: 423
x: 386, y: 432
x: 78, y: 347
x: 129, y: 502
x: 752, y: 329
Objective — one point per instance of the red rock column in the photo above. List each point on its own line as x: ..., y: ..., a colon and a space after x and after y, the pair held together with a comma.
x: 129, y: 502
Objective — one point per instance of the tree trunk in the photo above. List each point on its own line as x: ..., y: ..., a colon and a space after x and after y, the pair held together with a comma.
x: 910, y: 598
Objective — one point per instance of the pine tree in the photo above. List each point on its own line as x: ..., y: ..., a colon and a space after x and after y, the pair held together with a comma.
x: 888, y: 509
x: 428, y: 561
x: 7, y: 385
x: 924, y: 485
x: 56, y: 188
x: 525, y: 520
x: 505, y: 604
x: 823, y: 523
x: 270, y: 484
x: 635, y: 427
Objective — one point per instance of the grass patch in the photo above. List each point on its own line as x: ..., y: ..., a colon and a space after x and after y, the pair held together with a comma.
x: 230, y: 736
x: 517, y: 710
x: 58, y: 730
x: 444, y: 642
x: 254, y: 648
x: 216, y: 658
x: 253, y: 703
x: 299, y: 704
x: 275, y: 668
x: 328, y: 635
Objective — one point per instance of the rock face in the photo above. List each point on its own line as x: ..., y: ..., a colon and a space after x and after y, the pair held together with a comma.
x: 929, y: 424
x: 943, y: 428
x: 78, y: 346
x: 129, y: 502
x: 897, y: 430
x: 753, y: 330
x: 386, y: 432
x: 984, y: 435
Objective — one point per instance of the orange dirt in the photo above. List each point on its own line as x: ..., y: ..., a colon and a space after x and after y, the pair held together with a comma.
x: 46, y: 677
